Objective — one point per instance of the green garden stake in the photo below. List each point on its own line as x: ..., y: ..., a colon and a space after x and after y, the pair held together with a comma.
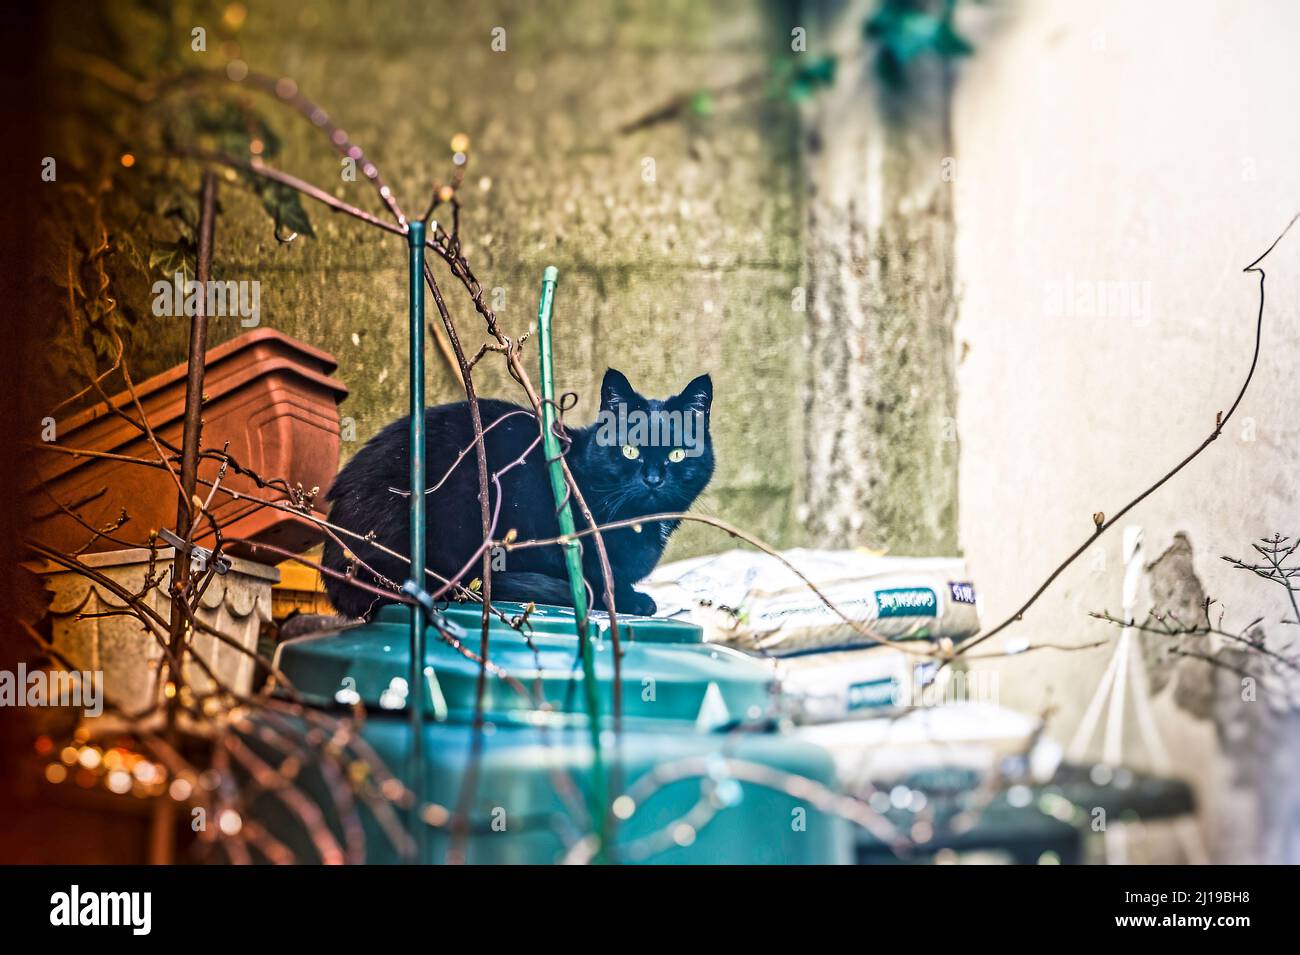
x: 415, y: 694
x: 572, y: 553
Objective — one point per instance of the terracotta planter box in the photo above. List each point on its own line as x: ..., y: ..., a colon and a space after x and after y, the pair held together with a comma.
x: 271, y: 397
x: 237, y: 603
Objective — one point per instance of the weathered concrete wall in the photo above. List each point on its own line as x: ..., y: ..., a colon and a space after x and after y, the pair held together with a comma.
x: 880, y: 432
x: 1152, y: 145
x: 664, y: 279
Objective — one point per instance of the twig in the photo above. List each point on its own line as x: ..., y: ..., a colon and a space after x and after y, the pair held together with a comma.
x: 1221, y: 419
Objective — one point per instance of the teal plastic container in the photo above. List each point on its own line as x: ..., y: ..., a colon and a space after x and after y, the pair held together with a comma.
x: 696, y: 714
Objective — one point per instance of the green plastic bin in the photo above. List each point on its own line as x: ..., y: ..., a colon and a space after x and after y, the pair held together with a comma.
x: 687, y: 706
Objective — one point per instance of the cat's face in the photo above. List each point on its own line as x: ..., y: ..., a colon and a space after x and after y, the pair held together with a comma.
x: 645, y: 455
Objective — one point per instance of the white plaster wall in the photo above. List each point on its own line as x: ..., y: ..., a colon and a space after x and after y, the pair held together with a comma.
x: 1154, y: 143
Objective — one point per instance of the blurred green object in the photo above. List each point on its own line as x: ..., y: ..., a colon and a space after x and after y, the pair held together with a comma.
x: 702, y: 103
x: 691, y: 709
x: 598, y: 789
x: 905, y: 30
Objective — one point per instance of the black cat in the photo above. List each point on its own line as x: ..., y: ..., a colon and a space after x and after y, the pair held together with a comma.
x: 640, y: 457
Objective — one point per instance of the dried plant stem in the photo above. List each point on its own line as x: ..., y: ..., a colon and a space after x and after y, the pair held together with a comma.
x: 1220, y: 420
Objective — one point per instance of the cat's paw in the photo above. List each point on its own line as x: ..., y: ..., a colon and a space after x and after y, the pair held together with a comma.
x: 636, y: 604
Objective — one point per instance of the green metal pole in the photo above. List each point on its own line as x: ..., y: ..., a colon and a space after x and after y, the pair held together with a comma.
x: 415, y: 694
x: 572, y: 554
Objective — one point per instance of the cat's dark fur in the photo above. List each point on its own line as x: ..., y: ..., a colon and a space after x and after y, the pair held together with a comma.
x: 615, y: 486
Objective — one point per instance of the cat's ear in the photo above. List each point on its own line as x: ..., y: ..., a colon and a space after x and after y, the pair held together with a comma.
x: 615, y: 390
x: 698, y: 395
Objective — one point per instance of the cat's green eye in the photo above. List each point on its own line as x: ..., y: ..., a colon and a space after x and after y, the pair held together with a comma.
x: 676, y: 455
x: 630, y: 452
